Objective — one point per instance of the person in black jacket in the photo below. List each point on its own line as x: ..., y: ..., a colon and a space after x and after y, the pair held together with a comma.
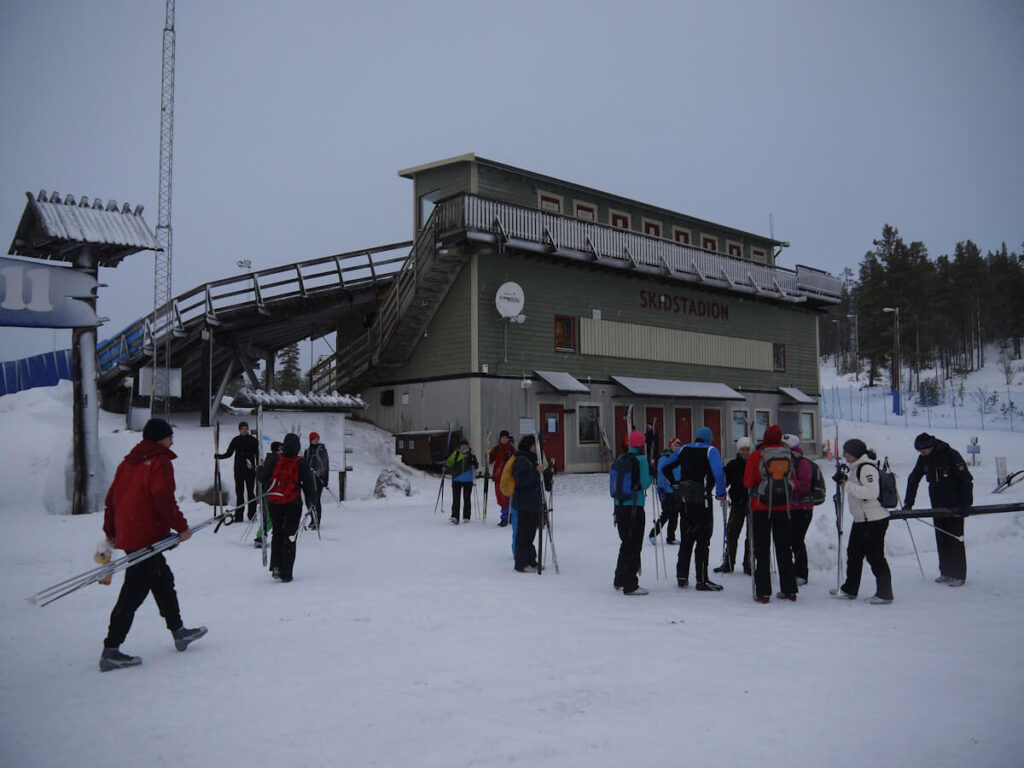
x: 320, y: 465
x: 528, y: 501
x: 739, y: 496
x: 246, y: 450
x: 949, y: 485
x: 292, y: 481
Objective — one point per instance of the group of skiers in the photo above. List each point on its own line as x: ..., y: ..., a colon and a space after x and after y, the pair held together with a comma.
x: 774, y: 488
x: 141, y: 509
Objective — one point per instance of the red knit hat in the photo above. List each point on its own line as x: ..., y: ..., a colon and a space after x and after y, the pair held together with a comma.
x: 636, y: 439
x: 773, y: 435
x: 314, y: 435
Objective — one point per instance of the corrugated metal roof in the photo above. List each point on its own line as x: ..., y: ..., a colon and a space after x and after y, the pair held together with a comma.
x: 50, y: 224
x: 797, y: 395
x: 684, y: 390
x: 562, y: 381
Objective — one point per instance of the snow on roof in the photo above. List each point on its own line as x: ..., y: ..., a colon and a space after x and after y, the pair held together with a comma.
x: 250, y: 398
x: 797, y: 396
x: 692, y: 390
x: 562, y: 381
x: 57, y: 222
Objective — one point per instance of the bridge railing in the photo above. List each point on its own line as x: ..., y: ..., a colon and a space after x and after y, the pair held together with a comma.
x: 254, y: 289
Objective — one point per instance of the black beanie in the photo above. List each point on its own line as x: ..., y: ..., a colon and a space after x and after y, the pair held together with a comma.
x: 291, y: 445
x: 504, y: 433
x: 243, y: 424
x: 156, y: 430
x: 855, y: 448
x: 924, y: 440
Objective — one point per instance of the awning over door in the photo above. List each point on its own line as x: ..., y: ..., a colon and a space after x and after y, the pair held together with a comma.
x: 797, y: 396
x: 563, y: 382
x: 682, y: 390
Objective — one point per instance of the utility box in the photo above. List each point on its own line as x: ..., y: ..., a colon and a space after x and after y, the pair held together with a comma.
x: 426, y: 448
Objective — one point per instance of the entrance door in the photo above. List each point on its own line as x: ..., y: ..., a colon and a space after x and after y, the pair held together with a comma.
x: 552, y: 433
x: 621, y: 430
x: 684, y: 425
x: 713, y: 421
x: 656, y: 415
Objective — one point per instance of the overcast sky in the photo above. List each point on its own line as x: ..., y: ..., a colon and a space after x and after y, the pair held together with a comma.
x: 292, y: 118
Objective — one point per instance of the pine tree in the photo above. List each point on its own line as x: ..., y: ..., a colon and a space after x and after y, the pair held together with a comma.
x: 290, y: 377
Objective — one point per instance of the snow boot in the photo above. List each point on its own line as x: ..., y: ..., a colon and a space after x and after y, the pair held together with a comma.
x: 683, y: 582
x: 762, y: 600
x: 112, y: 658
x: 704, y: 584
x: 841, y: 594
x: 942, y: 579
x: 637, y: 591
x: 955, y: 582
x: 183, y: 636
x: 786, y: 596
x: 876, y: 600
x: 725, y: 567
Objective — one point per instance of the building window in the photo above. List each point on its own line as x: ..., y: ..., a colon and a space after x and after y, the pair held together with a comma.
x: 807, y: 426
x: 618, y: 219
x: 778, y: 357
x: 681, y: 236
x: 759, y: 255
x: 739, y: 425
x: 426, y: 207
x: 734, y: 249
x: 550, y: 202
x: 652, y: 228
x: 586, y: 211
x: 761, y: 422
x: 709, y: 242
x: 387, y: 397
x: 565, y: 333
x: 589, y: 418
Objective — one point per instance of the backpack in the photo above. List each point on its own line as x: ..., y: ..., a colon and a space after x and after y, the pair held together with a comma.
x: 817, y: 493
x: 777, y: 477
x: 507, y: 484
x: 888, y: 493
x: 690, y: 492
x: 285, y: 478
x: 624, y: 478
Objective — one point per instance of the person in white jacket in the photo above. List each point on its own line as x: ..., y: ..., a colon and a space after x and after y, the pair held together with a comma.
x: 870, y: 522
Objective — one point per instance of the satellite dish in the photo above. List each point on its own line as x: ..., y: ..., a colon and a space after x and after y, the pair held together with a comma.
x: 509, y: 300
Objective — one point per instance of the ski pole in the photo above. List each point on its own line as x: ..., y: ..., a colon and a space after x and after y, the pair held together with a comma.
x: 223, y: 519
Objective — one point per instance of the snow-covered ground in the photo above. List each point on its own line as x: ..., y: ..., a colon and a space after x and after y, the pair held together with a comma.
x: 406, y: 641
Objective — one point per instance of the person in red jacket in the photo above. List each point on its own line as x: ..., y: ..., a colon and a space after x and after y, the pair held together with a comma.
x: 770, y: 520
x: 141, y: 510
x: 801, y: 510
x: 499, y: 456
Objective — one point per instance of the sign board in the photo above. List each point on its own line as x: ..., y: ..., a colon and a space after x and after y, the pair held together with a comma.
x: 35, y: 295
x: 146, y: 387
x: 526, y: 427
x: 509, y: 300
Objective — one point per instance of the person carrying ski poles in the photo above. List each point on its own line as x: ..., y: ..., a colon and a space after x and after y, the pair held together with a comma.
x: 140, y: 510
x: 320, y: 465
x: 462, y: 464
x: 770, y: 476
x: 739, y: 499
x: 950, y: 484
x: 289, y: 478
x: 669, y: 506
x: 630, y: 520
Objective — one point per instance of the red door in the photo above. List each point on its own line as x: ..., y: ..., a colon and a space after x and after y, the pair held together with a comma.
x: 713, y: 421
x: 656, y: 416
x: 552, y: 433
x: 684, y: 425
x: 621, y: 430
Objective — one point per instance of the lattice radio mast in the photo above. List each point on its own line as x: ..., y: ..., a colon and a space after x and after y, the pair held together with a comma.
x: 159, y: 401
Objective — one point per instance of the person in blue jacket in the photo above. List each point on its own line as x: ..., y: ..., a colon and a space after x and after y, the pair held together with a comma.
x: 630, y: 520
x: 462, y: 464
x: 669, y: 508
x: 701, y: 468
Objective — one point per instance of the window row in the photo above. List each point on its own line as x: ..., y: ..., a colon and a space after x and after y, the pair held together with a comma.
x: 548, y: 201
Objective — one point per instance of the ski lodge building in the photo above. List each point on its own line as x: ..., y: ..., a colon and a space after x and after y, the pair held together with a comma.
x: 526, y: 296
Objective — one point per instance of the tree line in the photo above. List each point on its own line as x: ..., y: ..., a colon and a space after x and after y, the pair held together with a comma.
x: 948, y: 309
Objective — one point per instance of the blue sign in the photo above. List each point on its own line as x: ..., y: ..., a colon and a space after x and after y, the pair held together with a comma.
x: 36, y: 295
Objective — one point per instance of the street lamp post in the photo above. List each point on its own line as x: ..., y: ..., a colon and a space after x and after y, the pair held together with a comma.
x: 895, y: 358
